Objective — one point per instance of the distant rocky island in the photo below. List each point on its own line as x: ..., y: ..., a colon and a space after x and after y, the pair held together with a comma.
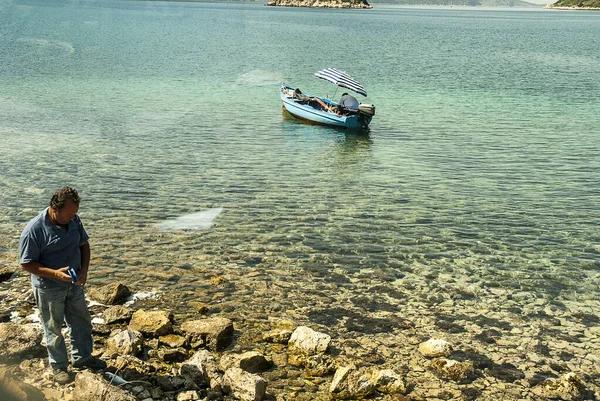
x: 576, y: 5
x: 321, y: 3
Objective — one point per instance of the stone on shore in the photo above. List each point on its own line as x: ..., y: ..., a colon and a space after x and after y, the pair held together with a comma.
x: 277, y: 336
x: 92, y: 387
x: 202, y: 369
x: 215, y: 333
x: 251, y: 362
x: 349, y: 383
x: 118, y: 313
x: 305, y: 340
x: 15, y: 390
x: 435, y: 347
x: 450, y: 369
x: 19, y: 341
x: 153, y: 323
x: 243, y: 385
x: 125, y: 342
x: 110, y: 294
x: 568, y: 388
x: 388, y: 382
x: 6, y: 273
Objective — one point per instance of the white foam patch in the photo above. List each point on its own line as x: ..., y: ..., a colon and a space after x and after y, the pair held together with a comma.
x: 140, y: 296
x: 98, y: 320
x: 195, y: 221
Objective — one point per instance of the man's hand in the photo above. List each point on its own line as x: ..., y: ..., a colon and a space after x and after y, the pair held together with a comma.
x: 61, y: 274
x: 82, y: 279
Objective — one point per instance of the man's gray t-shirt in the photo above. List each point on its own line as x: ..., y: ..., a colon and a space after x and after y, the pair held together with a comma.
x: 51, y: 245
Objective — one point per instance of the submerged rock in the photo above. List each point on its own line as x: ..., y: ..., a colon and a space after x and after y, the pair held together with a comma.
x: 435, y: 347
x: 202, y: 369
x: 450, y: 369
x: 305, y: 340
x: 568, y: 388
x: 349, y: 383
x: 388, y: 382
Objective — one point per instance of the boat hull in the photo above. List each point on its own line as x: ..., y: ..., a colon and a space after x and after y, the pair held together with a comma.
x: 322, y: 117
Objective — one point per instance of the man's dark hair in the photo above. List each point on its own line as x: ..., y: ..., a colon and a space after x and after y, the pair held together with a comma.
x: 62, y: 196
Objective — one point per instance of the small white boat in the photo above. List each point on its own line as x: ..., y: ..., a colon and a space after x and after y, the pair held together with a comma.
x: 324, y: 111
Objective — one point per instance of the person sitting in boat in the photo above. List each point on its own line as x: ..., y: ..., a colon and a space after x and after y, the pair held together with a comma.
x: 348, y: 104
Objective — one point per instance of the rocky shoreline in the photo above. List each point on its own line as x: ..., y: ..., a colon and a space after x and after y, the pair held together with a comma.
x: 321, y: 3
x: 275, y: 341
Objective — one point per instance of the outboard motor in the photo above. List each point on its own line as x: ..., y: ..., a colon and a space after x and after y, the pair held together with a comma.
x: 366, y: 109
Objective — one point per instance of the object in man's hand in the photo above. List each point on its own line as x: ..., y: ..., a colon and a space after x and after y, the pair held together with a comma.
x: 71, y: 272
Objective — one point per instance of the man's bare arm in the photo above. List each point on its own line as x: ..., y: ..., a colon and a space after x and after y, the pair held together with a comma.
x: 41, y: 271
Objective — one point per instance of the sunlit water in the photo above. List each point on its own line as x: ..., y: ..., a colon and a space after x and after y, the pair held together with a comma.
x: 482, y: 161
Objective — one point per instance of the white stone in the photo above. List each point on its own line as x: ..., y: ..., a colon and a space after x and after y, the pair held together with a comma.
x: 435, y: 347
x: 307, y: 341
x: 243, y: 385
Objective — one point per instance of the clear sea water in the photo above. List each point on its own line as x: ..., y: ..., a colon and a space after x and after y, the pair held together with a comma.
x: 482, y: 162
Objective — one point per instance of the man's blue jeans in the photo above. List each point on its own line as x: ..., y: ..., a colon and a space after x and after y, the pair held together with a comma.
x: 55, y: 306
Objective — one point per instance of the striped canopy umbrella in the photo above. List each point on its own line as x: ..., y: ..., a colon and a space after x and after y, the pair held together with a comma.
x: 340, y: 78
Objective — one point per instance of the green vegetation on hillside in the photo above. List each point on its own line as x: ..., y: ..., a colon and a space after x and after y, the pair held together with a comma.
x: 577, y: 3
x: 485, y: 3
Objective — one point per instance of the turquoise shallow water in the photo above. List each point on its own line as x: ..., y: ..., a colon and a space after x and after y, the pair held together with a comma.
x: 482, y: 160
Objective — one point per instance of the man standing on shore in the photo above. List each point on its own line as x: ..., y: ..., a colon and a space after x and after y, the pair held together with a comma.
x: 52, y: 244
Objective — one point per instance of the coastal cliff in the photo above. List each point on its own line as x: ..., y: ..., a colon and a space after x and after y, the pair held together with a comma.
x: 321, y: 3
x: 575, y: 5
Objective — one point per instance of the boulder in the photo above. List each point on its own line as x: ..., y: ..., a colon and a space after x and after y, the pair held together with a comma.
x: 153, y: 323
x: 190, y: 395
x: 169, y: 355
x: 6, y: 273
x: 110, y: 294
x: 13, y: 389
x: 252, y: 362
x: 349, y: 383
x: 172, y: 340
x: 388, y: 382
x: 435, y: 347
x: 315, y: 365
x: 118, y: 313
x: 305, y: 340
x: 450, y: 369
x: 19, y: 341
x: 92, y: 387
x: 243, y: 385
x: 215, y: 333
x: 202, y: 369
x: 277, y: 336
x: 568, y: 388
x: 125, y: 342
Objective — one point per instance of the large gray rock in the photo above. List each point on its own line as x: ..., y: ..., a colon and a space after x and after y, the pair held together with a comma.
x: 118, y: 313
x: 243, y: 385
x: 202, y: 369
x: 349, y: 383
x: 92, y: 387
x: 252, y: 362
x: 110, y: 294
x: 125, y: 342
x: 13, y: 389
x: 215, y: 333
x: 306, y: 341
x: 153, y: 323
x: 18, y: 341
